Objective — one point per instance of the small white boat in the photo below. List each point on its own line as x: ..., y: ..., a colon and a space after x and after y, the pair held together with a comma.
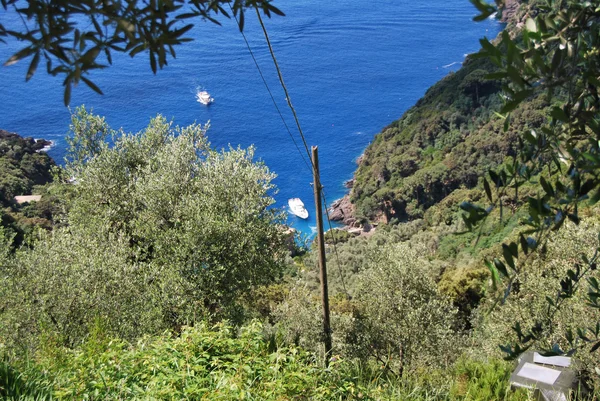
x: 204, y: 97
x: 297, y: 208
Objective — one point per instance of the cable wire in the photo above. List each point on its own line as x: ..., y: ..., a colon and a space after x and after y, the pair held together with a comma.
x: 337, y: 256
x: 268, y: 89
x: 287, y: 95
x: 289, y: 101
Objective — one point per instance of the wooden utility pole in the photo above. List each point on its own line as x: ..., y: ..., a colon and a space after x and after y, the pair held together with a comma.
x: 321, y: 244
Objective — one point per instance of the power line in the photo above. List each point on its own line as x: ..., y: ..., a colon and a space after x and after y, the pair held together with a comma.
x: 337, y: 256
x: 268, y: 89
x: 287, y: 95
x: 289, y: 101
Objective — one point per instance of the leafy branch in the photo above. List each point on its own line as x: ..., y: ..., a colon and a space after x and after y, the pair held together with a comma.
x: 556, y: 53
x: 77, y: 37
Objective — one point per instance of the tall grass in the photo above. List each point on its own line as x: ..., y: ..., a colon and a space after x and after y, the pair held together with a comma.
x: 17, y: 385
x: 222, y: 363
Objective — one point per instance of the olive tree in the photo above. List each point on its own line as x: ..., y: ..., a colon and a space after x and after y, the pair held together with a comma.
x: 73, y: 281
x: 397, y: 317
x: 555, y: 51
x: 160, y: 231
x: 528, y: 303
x: 204, y: 213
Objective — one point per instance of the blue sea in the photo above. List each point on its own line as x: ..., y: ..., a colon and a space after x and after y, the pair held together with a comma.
x: 351, y: 67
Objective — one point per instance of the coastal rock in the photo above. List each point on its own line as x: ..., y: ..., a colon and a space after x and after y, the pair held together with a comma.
x: 349, y: 183
x: 510, y: 9
x: 290, y: 239
x: 343, y: 210
x: 34, y: 144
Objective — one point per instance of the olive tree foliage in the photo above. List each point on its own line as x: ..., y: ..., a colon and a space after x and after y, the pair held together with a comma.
x: 528, y: 304
x: 75, y: 38
x: 72, y: 281
x: 184, y: 206
x: 397, y: 317
x: 557, y: 52
x: 162, y: 230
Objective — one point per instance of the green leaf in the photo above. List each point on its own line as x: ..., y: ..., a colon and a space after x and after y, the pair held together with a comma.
x: 21, y: 54
x: 488, y: 47
x: 501, y: 267
x: 531, y: 137
x: 485, y: 9
x: 33, y: 66
x: 506, y: 123
x: 531, y: 25
x: 488, y: 190
x: 67, y: 94
x: 524, y: 244
x: 494, y: 272
x: 558, y: 114
x: 547, y: 186
x: 495, y: 178
x: 153, y: 61
x: 508, y: 256
x: 91, y: 85
x: 274, y: 9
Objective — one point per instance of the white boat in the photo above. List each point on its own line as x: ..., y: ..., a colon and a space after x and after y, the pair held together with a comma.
x: 297, y: 208
x: 204, y: 97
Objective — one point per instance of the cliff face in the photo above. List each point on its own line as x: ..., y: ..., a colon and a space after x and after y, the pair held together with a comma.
x: 509, y: 11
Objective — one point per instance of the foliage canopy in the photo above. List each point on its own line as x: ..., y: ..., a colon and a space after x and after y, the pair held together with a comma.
x: 161, y: 231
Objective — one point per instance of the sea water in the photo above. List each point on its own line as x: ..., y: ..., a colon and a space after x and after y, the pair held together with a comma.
x: 351, y: 68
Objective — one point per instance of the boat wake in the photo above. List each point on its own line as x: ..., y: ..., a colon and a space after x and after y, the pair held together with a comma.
x: 451, y: 64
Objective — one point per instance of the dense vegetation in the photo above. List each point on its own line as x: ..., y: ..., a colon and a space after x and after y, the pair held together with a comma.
x: 24, y: 169
x: 22, y: 166
x: 447, y: 141
x: 167, y: 275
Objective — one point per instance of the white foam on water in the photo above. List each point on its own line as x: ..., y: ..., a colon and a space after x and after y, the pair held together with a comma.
x: 451, y: 64
x: 47, y: 147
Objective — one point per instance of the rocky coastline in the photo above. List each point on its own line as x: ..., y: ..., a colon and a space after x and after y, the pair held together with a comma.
x: 342, y: 210
x: 36, y: 145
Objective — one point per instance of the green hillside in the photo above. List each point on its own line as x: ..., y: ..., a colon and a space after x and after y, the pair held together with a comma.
x: 447, y: 141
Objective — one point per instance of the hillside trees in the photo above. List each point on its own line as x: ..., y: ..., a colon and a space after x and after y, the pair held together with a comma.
x: 396, y: 315
x: 162, y: 230
x: 448, y: 140
x: 75, y: 38
x: 22, y: 166
x: 24, y: 169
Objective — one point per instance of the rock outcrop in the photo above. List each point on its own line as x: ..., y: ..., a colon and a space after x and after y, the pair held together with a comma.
x: 509, y: 10
x: 343, y: 210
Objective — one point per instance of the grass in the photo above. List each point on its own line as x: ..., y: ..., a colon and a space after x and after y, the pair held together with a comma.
x: 221, y: 363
